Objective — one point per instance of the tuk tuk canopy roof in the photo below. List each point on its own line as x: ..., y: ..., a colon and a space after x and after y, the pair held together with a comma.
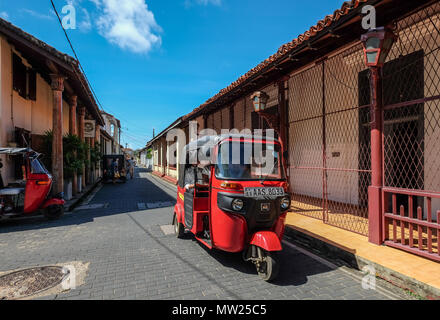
x: 210, y: 141
x: 15, y: 151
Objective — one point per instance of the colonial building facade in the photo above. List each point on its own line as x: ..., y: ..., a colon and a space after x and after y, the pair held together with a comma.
x: 41, y: 90
x: 329, y: 105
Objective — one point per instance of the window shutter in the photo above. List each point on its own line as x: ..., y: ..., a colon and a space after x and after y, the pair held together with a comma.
x: 19, y: 76
x: 32, y: 85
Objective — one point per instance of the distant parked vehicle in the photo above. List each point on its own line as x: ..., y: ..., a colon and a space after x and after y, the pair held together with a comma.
x: 32, y: 194
x: 114, y: 168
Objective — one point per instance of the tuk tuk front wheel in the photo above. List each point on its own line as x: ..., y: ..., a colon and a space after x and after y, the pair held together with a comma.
x: 54, y: 212
x: 268, y: 266
x: 179, y: 229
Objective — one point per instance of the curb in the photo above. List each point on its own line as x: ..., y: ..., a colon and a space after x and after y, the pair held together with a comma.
x: 75, y: 202
x: 341, y: 257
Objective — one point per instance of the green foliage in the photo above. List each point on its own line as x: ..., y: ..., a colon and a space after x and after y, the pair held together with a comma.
x: 149, y: 153
x: 95, y: 154
x: 73, y: 156
x: 74, y: 153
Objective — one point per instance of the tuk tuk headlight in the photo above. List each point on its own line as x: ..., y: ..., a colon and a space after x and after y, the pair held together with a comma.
x: 237, y: 204
x: 285, y: 203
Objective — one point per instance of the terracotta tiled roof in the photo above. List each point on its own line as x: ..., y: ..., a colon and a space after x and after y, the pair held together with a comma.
x: 346, y: 7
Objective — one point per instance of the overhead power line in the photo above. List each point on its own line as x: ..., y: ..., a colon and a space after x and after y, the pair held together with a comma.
x: 76, y: 56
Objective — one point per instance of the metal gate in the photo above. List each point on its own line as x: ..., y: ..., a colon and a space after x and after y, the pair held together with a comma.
x: 411, y: 99
x: 329, y: 141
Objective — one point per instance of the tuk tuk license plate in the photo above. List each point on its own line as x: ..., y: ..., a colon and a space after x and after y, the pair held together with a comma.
x: 263, y: 192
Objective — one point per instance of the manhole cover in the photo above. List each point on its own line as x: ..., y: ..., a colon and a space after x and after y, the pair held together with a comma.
x: 24, y: 283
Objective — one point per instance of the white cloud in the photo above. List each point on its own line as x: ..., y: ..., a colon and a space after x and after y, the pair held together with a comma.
x: 189, y: 3
x: 38, y: 15
x: 128, y: 23
x: 86, y: 24
x: 4, y: 15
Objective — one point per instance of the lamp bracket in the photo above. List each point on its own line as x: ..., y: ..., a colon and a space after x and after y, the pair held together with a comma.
x: 272, y: 120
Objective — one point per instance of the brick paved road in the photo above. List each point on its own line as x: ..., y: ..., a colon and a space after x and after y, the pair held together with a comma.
x: 131, y: 258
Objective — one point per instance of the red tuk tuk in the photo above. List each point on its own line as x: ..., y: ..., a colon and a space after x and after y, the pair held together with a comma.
x: 237, y: 203
x: 31, y: 194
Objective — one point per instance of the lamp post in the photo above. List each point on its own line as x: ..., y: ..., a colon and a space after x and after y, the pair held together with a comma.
x: 377, y: 45
x: 259, y: 100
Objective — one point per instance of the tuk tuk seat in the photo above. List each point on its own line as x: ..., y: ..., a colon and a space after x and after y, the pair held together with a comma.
x: 11, y: 191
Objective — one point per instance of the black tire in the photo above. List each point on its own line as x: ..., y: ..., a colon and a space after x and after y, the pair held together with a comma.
x: 54, y: 212
x: 179, y: 229
x: 269, y: 268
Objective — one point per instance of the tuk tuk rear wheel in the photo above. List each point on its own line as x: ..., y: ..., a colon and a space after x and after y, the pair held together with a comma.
x: 54, y: 212
x: 269, y: 267
x: 179, y: 229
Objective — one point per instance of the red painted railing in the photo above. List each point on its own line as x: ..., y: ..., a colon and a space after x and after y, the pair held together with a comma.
x: 406, y: 227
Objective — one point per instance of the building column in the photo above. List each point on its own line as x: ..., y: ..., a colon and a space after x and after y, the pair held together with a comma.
x: 57, y: 84
x: 73, y: 102
x: 98, y: 141
x: 88, y: 168
x: 73, y: 130
x: 82, y: 115
x: 283, y: 124
x: 375, y: 190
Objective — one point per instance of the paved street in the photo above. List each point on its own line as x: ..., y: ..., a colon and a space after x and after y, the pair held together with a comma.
x: 131, y: 257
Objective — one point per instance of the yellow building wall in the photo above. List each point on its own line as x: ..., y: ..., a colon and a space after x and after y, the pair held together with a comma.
x: 15, y: 111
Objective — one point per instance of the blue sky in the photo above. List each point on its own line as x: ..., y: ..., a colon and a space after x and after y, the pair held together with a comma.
x: 152, y: 61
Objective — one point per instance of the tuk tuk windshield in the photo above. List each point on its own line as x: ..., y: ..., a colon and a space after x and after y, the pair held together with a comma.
x: 37, y: 167
x: 249, y: 161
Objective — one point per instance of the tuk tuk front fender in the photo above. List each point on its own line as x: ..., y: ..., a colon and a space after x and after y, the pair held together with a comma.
x: 266, y: 240
x: 53, y: 202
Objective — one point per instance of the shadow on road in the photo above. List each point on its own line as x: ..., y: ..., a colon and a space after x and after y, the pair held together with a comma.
x: 119, y: 198
x: 295, y: 267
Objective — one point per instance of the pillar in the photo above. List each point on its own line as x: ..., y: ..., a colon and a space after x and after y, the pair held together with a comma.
x: 82, y: 115
x: 57, y: 85
x: 375, y: 211
x: 283, y: 123
x: 97, y: 142
x: 73, y: 103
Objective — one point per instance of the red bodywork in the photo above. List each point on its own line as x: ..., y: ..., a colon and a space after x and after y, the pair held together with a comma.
x: 37, y: 189
x: 229, y: 231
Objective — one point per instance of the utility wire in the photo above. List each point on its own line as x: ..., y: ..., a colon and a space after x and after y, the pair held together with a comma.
x: 76, y: 56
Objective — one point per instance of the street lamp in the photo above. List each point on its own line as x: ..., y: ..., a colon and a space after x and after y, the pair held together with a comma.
x: 259, y: 99
x: 377, y: 44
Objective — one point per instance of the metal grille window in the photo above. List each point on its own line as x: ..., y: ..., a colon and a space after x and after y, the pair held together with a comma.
x: 217, y: 125
x: 411, y: 99
x: 225, y: 118
x: 329, y: 141
x: 239, y: 115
